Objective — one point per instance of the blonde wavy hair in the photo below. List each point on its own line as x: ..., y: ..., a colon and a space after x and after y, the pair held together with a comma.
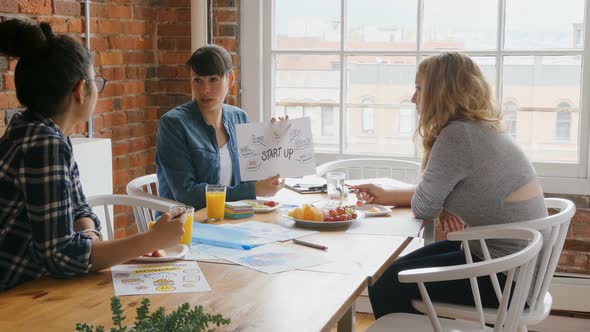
x: 452, y: 88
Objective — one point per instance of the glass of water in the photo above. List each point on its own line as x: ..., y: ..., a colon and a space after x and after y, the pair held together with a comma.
x: 336, y: 189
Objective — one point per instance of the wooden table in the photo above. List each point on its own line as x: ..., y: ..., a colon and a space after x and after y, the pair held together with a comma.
x: 313, y: 299
x: 290, y: 301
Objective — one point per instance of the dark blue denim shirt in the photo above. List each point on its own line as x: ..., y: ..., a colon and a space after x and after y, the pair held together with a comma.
x: 187, y: 157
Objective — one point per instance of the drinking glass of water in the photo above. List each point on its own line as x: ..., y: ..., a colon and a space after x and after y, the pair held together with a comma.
x: 336, y: 189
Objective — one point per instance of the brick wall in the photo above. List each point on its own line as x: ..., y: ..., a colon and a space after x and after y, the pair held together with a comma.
x: 140, y: 47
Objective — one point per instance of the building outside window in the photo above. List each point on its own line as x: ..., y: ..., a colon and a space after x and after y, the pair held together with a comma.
x: 563, y: 123
x: 510, y: 117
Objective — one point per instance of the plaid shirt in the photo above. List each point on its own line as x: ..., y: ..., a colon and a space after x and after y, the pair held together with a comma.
x: 40, y: 198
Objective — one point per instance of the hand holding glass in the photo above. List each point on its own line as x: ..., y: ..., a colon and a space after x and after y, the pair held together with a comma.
x: 187, y: 238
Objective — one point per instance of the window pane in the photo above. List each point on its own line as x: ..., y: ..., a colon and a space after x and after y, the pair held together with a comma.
x: 381, y: 25
x: 380, y: 79
x: 541, y: 86
x: 391, y: 135
x: 380, y: 86
x: 488, y: 67
x: 543, y: 24
x: 296, y: 27
x: 460, y: 24
x: 309, y: 85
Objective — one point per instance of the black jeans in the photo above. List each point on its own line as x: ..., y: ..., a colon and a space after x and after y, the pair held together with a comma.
x: 388, y: 295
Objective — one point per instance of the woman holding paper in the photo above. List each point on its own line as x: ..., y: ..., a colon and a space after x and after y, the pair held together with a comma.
x: 197, y: 140
x: 474, y: 174
x: 46, y: 226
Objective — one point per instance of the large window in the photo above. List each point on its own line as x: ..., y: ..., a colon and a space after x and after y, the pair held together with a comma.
x: 345, y: 52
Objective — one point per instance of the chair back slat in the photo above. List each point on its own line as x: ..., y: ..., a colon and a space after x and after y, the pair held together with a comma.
x: 431, y: 312
x: 493, y: 276
x: 110, y: 225
x: 553, y: 261
x: 473, y: 283
x: 503, y: 307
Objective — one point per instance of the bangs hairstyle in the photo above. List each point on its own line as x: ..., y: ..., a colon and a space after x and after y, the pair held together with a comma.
x: 210, y: 60
x: 453, y: 88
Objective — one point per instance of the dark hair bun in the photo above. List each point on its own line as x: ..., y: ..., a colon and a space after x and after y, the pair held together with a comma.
x: 47, y: 31
x: 21, y: 39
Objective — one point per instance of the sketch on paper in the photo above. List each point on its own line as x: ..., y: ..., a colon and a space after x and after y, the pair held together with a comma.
x: 267, y: 149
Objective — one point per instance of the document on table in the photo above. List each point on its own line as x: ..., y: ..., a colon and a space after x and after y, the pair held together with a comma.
x: 271, y: 258
x: 225, y: 237
x: 270, y: 231
x: 396, y: 226
x: 161, y: 278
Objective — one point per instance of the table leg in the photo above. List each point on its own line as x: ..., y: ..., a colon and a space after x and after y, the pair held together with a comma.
x: 428, y: 232
x: 348, y: 322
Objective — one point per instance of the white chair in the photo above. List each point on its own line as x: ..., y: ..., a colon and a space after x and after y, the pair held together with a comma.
x: 367, y: 168
x: 146, y: 186
x: 519, y: 267
x: 106, y: 201
x: 554, y: 229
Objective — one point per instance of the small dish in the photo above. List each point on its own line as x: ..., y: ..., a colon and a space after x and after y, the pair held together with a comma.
x: 383, y: 210
x: 172, y: 253
x: 259, y: 207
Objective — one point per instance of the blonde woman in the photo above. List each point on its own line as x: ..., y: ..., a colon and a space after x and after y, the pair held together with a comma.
x: 474, y: 174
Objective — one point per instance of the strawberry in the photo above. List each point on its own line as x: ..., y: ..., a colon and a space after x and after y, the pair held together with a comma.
x: 159, y: 253
x: 270, y: 203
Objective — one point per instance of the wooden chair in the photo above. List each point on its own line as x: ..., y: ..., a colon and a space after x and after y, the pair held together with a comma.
x: 554, y: 229
x: 146, y: 186
x: 519, y: 267
x: 107, y: 201
x: 367, y: 168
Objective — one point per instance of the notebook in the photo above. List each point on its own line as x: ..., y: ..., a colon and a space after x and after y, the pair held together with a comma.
x: 307, y: 185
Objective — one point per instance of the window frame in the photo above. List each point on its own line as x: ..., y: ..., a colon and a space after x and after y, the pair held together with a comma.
x: 257, y: 82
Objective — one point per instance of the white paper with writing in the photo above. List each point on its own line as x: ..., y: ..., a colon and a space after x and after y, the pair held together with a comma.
x: 162, y: 278
x: 267, y: 149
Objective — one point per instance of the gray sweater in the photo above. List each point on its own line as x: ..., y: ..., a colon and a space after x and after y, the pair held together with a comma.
x: 471, y: 171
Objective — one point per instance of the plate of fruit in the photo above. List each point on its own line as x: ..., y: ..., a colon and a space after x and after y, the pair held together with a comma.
x: 373, y: 210
x: 323, y: 217
x: 165, y: 255
x: 261, y: 205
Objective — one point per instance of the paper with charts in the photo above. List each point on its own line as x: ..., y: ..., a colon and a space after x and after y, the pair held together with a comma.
x: 270, y: 231
x: 271, y: 258
x: 162, y: 278
x: 267, y: 149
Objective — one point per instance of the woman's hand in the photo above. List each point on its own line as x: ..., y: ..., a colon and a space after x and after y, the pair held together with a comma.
x: 450, y: 222
x: 269, y: 187
x: 168, y: 230
x: 371, y: 193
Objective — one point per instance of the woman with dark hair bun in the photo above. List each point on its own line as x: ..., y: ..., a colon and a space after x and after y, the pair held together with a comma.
x: 46, y: 226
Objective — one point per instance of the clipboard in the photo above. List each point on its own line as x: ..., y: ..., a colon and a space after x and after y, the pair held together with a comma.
x: 307, y: 188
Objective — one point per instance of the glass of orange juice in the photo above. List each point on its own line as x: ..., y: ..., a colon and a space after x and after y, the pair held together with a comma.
x: 215, y: 196
x: 187, y: 238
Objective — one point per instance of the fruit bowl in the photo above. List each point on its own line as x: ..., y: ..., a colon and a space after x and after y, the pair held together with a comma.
x: 323, y: 217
